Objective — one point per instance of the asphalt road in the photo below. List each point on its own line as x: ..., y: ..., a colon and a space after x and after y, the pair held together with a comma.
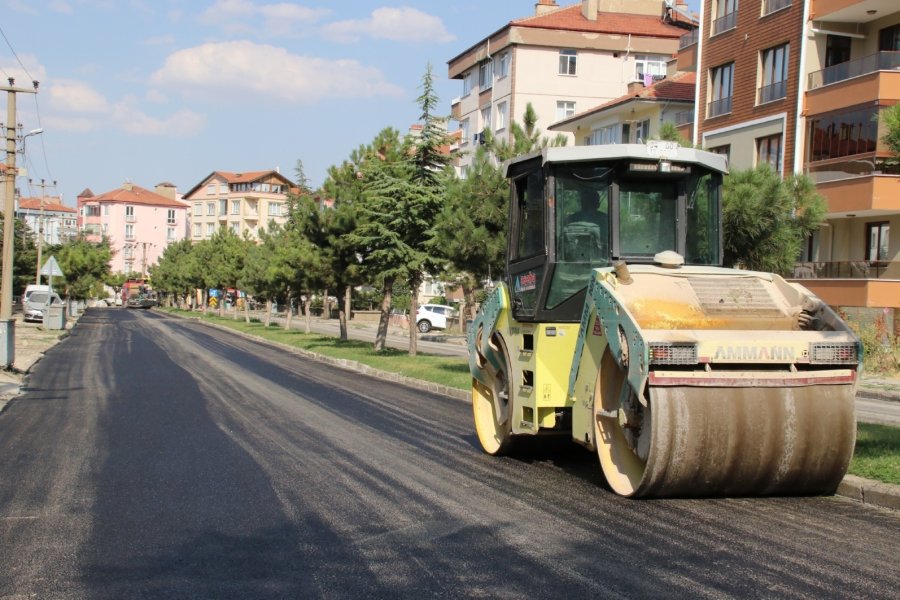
x: 156, y: 457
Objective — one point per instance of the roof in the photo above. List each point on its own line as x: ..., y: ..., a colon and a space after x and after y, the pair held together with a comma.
x: 50, y: 205
x: 678, y: 88
x: 135, y: 194
x: 247, y: 177
x: 86, y: 193
x: 715, y: 162
x: 570, y: 18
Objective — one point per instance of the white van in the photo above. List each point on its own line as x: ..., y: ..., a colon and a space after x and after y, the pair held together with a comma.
x: 33, y: 288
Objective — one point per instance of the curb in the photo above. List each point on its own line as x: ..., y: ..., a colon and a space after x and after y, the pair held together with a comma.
x: 874, y: 394
x: 865, y: 491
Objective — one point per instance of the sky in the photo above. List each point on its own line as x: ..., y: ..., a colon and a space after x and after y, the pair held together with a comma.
x: 152, y: 91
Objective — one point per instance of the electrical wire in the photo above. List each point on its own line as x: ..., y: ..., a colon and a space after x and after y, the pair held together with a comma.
x: 11, y: 49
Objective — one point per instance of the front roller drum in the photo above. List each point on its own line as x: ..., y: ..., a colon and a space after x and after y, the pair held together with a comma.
x: 492, y: 404
x: 725, y: 441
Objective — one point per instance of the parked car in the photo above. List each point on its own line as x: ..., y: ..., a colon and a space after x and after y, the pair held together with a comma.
x: 36, y: 303
x: 433, y: 316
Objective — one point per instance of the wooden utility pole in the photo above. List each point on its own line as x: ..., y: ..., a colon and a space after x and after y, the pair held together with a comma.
x: 40, y: 228
x: 7, y: 324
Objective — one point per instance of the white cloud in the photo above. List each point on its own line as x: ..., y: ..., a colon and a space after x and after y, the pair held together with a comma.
x: 21, y: 7
x: 61, y: 6
x: 245, y: 16
x: 244, y: 68
x: 399, y: 24
x: 33, y: 69
x: 76, y: 107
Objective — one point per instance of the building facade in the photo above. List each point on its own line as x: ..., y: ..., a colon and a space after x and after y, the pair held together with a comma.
x: 561, y: 60
x: 51, y: 221
x: 241, y: 202
x: 800, y: 85
x: 139, y: 223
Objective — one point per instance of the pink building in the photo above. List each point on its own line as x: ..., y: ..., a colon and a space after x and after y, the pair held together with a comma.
x: 138, y: 222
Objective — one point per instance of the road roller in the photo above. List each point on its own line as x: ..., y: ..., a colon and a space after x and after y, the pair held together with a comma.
x: 618, y: 325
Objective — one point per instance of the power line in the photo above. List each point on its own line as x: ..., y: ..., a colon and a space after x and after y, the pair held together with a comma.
x: 13, y: 50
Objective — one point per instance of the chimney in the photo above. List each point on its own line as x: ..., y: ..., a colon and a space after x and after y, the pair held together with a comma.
x: 635, y: 88
x: 589, y: 9
x: 167, y: 190
x: 127, y: 186
x: 544, y: 6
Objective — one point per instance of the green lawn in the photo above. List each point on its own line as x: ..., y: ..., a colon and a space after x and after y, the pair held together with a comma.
x: 877, y: 454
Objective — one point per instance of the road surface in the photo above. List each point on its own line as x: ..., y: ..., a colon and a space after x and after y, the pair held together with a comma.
x: 157, y: 457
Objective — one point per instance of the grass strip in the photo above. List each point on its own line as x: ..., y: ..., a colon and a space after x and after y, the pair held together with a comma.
x: 877, y: 454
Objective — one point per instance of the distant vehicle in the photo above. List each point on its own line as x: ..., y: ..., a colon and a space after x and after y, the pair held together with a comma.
x: 37, y: 302
x: 33, y: 288
x: 433, y: 316
x: 138, y: 294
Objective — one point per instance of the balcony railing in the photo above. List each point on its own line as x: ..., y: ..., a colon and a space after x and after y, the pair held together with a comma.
x: 880, y: 61
x: 725, y: 23
x: 684, y: 117
x: 770, y: 93
x: 689, y: 39
x: 851, y: 269
x: 770, y: 6
x: 719, y: 107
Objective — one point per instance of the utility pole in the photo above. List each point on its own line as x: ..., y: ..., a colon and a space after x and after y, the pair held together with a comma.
x: 40, y: 240
x: 7, y: 324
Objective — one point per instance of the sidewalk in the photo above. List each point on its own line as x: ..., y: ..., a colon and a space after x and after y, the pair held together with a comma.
x: 31, y: 341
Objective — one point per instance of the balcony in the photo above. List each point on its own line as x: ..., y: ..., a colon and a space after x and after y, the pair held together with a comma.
x: 718, y: 108
x: 684, y: 117
x: 870, y: 195
x: 848, y: 11
x: 880, y: 61
x: 689, y: 39
x: 852, y: 283
x: 771, y: 93
x: 724, y: 23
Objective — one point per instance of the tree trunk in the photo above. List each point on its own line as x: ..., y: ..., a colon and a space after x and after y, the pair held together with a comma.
x: 381, y: 334
x: 205, y: 300
x: 413, y: 309
x: 325, y: 312
x: 344, y: 313
x: 290, y: 313
x: 247, y: 309
x: 268, y: 318
x: 307, y: 312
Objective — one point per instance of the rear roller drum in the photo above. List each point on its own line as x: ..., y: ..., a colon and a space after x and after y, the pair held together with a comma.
x: 492, y: 404
x: 734, y: 441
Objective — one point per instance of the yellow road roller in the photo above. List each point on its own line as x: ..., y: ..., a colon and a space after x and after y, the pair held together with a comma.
x: 616, y: 324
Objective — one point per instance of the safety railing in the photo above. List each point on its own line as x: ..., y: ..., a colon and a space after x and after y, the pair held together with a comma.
x: 880, y: 61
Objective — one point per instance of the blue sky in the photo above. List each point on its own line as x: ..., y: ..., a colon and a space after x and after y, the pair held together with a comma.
x: 170, y: 90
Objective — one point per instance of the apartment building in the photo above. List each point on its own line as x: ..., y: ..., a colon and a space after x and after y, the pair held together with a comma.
x: 242, y: 202
x: 48, y: 219
x: 799, y: 85
x: 139, y: 223
x: 563, y: 60
x: 636, y: 116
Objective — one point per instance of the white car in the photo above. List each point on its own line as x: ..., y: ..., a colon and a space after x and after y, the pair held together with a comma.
x: 433, y: 316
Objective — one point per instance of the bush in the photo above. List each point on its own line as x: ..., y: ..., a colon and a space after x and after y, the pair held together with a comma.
x: 881, y: 350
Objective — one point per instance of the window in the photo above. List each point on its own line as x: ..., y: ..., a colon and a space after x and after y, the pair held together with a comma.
x: 223, y: 207
x: 567, y: 60
x: 503, y: 65
x: 92, y: 210
x: 210, y: 209
x: 889, y: 39
x: 606, y: 135
x: 170, y: 234
x: 725, y: 16
x: 878, y: 235
x: 128, y: 252
x: 774, y: 67
x: 129, y: 232
x: 235, y: 207
x: 649, y: 68
x: 501, y: 115
x: 129, y: 212
x: 768, y: 152
x: 843, y: 134
x: 274, y: 209
x: 486, y: 75
x: 236, y: 228
x: 720, y: 86
x: 170, y: 216
x: 211, y: 189
x: 464, y: 128
x: 565, y: 109
x: 198, y: 209
x: 467, y: 84
x: 198, y: 230
x: 486, y: 117
x: 106, y: 210
x: 723, y: 150
x: 210, y: 229
x: 642, y: 131
x: 770, y: 6
x: 105, y: 228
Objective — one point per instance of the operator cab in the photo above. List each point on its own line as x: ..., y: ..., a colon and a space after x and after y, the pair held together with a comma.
x: 577, y: 209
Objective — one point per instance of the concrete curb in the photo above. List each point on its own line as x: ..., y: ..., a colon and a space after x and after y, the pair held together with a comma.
x: 866, y: 491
